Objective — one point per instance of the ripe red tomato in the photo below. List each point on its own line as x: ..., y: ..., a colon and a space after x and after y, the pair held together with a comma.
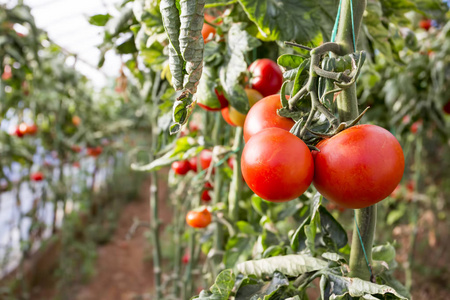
x: 76, y: 164
x: 359, y: 166
x: 76, y: 120
x: 76, y: 148
x: 226, y: 115
x: 205, y: 158
x: 425, y: 24
x: 264, y: 115
x: 277, y: 165
x: 446, y: 108
x: 198, y: 219
x: 208, y: 31
x: 415, y: 126
x: 186, y: 258
x: 181, y: 167
x: 94, y: 151
x: 205, y: 193
x: 193, y: 163
x: 267, y: 77
x: 223, y: 102
x: 37, y: 176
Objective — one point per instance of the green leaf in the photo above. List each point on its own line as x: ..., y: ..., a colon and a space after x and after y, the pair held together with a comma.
x: 298, y: 241
x: 235, y: 66
x: 291, y: 265
x: 332, y: 228
x: 290, y: 61
x: 221, y: 289
x: 206, y: 87
x: 236, y: 249
x: 339, y: 287
x: 284, y: 20
x: 384, y: 253
x: 253, y: 290
x: 301, y: 77
x: 127, y: 47
x: 245, y: 227
x: 99, y: 20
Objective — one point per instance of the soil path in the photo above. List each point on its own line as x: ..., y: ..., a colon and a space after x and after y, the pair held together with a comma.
x: 124, y: 267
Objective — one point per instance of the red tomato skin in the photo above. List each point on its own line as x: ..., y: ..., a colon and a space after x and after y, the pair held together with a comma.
x: 205, y: 158
x: 425, y: 24
x: 186, y: 258
x: 415, y: 126
x: 208, y: 31
x: 226, y: 116
x: 222, y: 100
x: 359, y: 166
x: 267, y: 77
x: 264, y: 115
x: 37, y: 176
x: 277, y: 165
x: 198, y: 219
x: 181, y: 167
x: 193, y: 163
x: 205, y: 196
x: 31, y: 129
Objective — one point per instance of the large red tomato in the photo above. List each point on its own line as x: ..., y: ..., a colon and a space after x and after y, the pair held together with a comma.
x: 359, y: 166
x: 277, y: 165
x: 264, y: 115
x: 267, y: 77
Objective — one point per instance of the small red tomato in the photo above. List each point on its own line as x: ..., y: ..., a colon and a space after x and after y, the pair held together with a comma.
x: 267, y: 77
x: 181, y: 167
x: 226, y: 116
x: 198, y: 219
x: 425, y: 24
x: 76, y: 164
x: 231, y: 161
x: 76, y: 148
x: 359, y: 166
x: 205, y: 158
x: 94, y: 151
x: 193, y: 163
x: 446, y: 108
x: 186, y: 258
x: 76, y: 120
x: 415, y: 126
x: 277, y: 165
x: 205, y: 196
x: 31, y: 129
x: 37, y: 176
x: 264, y: 115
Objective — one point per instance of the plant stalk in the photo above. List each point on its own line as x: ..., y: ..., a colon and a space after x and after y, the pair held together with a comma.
x: 347, y: 104
x: 236, y: 181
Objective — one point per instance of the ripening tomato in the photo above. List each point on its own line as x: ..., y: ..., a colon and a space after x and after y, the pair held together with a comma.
x: 223, y: 102
x: 267, y: 77
x: 76, y: 165
x: 181, y: 167
x: 446, y: 108
x: 198, y: 218
x: 425, y: 24
x: 238, y: 118
x: 7, y: 73
x: 205, y: 158
x: 37, y: 176
x: 31, y: 129
x: 208, y: 31
x: 359, y: 166
x: 277, y: 165
x: 264, y: 115
x: 205, y: 196
x: 226, y: 115
x: 76, y: 148
x: 193, y: 163
x: 76, y: 120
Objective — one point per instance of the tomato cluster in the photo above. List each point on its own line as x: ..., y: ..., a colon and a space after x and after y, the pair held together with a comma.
x: 25, y: 129
x: 356, y: 168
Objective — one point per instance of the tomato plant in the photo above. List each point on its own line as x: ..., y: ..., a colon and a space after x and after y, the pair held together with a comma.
x: 277, y: 165
x: 198, y: 218
x: 266, y: 76
x: 181, y: 167
x: 264, y: 115
x: 359, y: 166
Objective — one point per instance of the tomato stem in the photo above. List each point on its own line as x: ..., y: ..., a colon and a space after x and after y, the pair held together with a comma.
x: 236, y: 182
x: 347, y: 104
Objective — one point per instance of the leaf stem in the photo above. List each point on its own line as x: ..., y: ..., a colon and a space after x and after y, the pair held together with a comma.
x: 236, y: 181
